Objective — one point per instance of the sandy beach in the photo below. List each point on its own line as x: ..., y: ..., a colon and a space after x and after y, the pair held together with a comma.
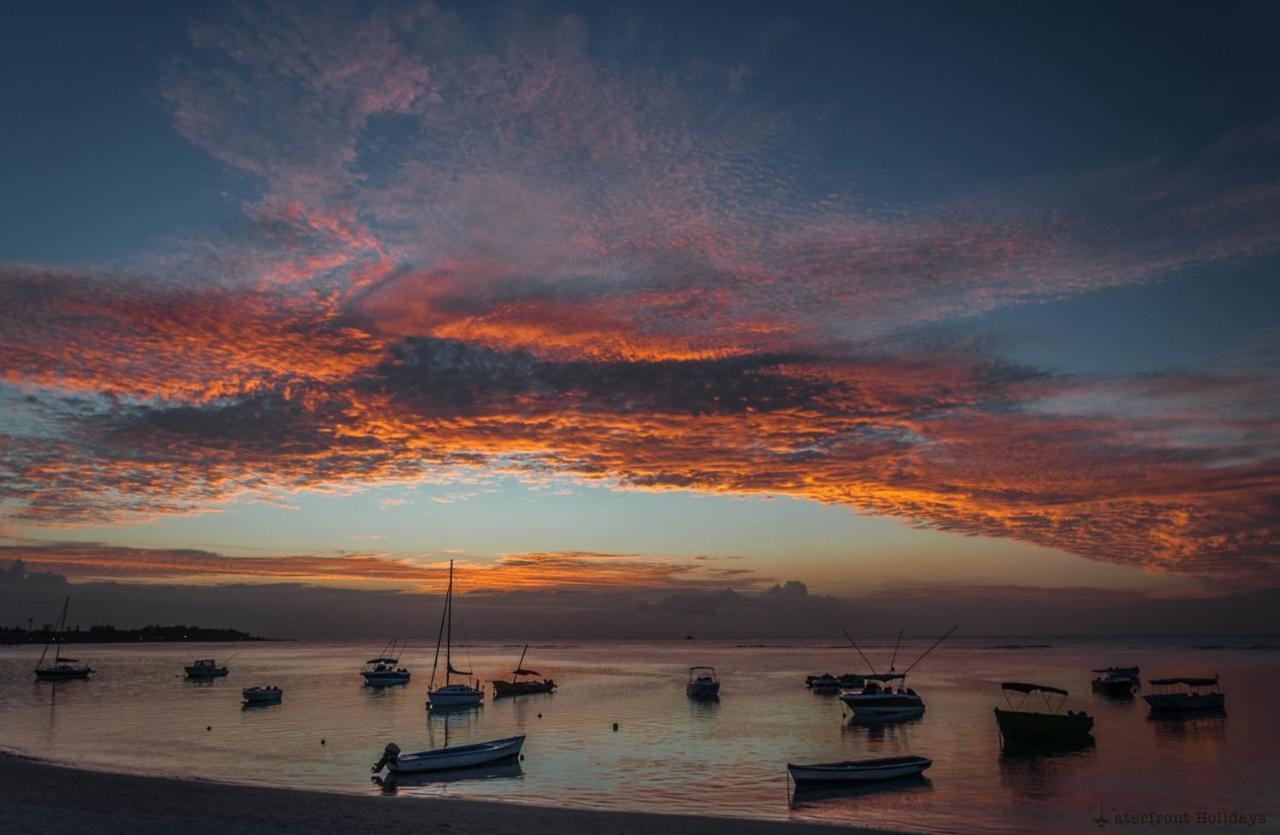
x: 37, y: 796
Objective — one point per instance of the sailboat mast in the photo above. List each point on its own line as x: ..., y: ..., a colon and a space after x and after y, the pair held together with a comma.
x: 50, y: 639
x: 519, y: 666
x: 448, y: 647
x: 435, y: 663
x: 62, y: 625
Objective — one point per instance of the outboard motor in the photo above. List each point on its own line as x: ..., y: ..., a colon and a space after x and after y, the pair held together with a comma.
x: 389, y: 755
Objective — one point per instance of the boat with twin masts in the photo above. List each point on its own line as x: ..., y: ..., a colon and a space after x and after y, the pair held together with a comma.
x: 450, y: 694
x: 60, y: 669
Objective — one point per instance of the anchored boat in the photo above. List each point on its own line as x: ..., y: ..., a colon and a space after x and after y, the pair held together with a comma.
x: 450, y: 695
x: 262, y: 695
x: 385, y: 670
x: 203, y: 668
x: 1052, y: 725
x: 859, y: 771
x: 1183, y: 694
x: 515, y: 687
x: 703, y: 683
x: 1118, y: 682
x: 444, y: 759
x: 878, y: 700
x: 60, y: 668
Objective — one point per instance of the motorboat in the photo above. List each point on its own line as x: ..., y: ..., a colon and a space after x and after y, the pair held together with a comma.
x: 384, y: 671
x: 878, y: 700
x: 827, y: 682
x: 1183, y: 694
x: 1117, y: 681
x: 444, y: 759
x: 60, y: 668
x: 703, y: 683
x: 262, y: 695
x: 450, y: 695
x: 1050, y: 725
x: 515, y: 687
x: 859, y: 771
x: 203, y: 668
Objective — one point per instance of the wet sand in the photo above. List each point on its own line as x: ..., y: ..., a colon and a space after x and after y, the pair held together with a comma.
x: 40, y: 797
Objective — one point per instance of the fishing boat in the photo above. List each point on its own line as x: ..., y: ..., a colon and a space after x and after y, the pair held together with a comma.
x: 703, y: 683
x: 1051, y: 725
x: 450, y: 694
x: 60, y: 668
x: 859, y: 771
x: 262, y: 695
x: 827, y: 682
x: 203, y: 668
x: 1117, y: 681
x: 444, y: 759
x: 385, y: 670
x: 515, y: 687
x: 1183, y: 694
x: 878, y: 699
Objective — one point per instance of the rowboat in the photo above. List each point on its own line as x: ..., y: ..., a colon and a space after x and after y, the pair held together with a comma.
x: 859, y: 771
x: 1026, y: 726
x: 702, y: 683
x: 443, y: 759
x: 1190, y: 698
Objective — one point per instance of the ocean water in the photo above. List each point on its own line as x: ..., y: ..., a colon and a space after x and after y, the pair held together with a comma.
x: 670, y: 754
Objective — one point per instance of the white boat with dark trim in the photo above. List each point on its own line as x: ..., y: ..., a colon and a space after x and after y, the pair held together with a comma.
x: 1183, y: 694
x: 444, y: 759
x: 385, y: 670
x: 60, y: 669
x: 450, y: 695
x: 859, y: 771
x: 877, y: 700
x: 203, y: 668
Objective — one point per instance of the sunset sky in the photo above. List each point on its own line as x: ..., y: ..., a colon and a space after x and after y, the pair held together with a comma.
x: 643, y: 298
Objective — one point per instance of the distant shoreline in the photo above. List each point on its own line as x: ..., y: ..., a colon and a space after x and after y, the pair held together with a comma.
x: 39, y: 796
x: 156, y: 634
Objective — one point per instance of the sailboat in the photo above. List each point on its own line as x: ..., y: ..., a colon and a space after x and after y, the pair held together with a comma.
x: 515, y: 687
x: 450, y: 695
x: 61, y: 668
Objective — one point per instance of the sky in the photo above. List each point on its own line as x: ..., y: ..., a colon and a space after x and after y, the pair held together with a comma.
x: 965, y: 304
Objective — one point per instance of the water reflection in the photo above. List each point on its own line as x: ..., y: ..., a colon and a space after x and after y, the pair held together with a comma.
x: 1209, y: 725
x: 804, y: 797
x: 704, y: 708
x: 1033, y: 771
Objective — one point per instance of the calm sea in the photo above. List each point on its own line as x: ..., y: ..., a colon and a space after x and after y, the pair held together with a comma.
x: 669, y: 754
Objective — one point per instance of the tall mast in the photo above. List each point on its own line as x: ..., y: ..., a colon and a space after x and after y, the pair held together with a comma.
x: 448, y: 647
x: 444, y: 612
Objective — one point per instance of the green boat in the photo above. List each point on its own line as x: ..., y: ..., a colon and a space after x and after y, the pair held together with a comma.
x: 1052, y: 725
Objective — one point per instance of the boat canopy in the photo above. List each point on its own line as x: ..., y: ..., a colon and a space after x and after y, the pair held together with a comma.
x: 383, y: 661
x: 693, y: 670
x: 1031, y: 688
x: 884, y: 676
x: 521, y: 671
x: 1190, y: 682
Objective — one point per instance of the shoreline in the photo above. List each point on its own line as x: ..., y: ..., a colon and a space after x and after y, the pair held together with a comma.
x: 41, y: 796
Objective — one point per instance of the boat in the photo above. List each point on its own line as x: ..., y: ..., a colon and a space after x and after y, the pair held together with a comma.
x: 1181, y: 694
x: 262, y: 695
x: 515, y: 687
x: 1026, y: 726
x: 703, y: 683
x: 385, y: 670
x: 450, y: 694
x: 878, y: 700
x: 1117, y: 681
x: 859, y: 771
x: 205, y: 668
x: 60, y: 668
x: 828, y: 682
x: 444, y: 759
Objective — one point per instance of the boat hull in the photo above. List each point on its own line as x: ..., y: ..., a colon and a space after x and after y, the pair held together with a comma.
x: 466, y: 756
x: 504, y: 689
x: 193, y: 672
x: 1176, y: 702
x: 385, y: 678
x: 1027, y: 726
x: 62, y: 675
x: 254, y: 696
x: 703, y: 690
x: 461, y: 697
x: 858, y: 771
x: 881, y: 707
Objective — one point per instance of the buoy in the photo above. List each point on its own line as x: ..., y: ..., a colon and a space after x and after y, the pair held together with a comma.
x: 208, y: 727
x: 539, y: 715
x: 322, y: 740
x: 615, y: 726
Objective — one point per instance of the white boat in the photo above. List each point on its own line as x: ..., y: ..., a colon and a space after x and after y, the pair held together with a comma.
x: 878, y: 701
x: 444, y: 759
x: 450, y: 694
x: 703, y: 683
x: 859, y: 771
x: 262, y: 695
x: 205, y: 668
x: 60, y: 669
x: 1186, y: 696
x: 385, y: 670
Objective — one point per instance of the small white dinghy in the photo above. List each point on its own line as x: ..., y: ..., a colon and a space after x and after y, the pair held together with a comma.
x: 445, y: 759
x: 859, y: 771
x: 262, y: 695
